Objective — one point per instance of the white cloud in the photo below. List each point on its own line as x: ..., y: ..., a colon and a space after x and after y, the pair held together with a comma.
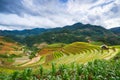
x: 53, y: 13
x: 112, y: 23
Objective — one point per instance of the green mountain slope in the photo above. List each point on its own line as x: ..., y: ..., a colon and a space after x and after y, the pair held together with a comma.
x: 116, y: 30
x: 76, y: 32
x: 66, y: 34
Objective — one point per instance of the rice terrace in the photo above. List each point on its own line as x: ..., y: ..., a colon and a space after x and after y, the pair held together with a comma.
x: 59, y: 55
x: 59, y: 40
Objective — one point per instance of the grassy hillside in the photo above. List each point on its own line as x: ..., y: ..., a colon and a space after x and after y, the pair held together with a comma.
x: 79, y: 59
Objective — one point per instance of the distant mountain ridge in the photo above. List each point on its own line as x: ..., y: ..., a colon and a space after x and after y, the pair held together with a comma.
x: 37, y: 31
x: 23, y: 32
x: 116, y: 30
x: 66, y: 34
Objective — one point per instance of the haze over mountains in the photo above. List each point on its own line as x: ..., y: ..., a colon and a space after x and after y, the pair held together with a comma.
x: 116, y: 30
x: 66, y: 34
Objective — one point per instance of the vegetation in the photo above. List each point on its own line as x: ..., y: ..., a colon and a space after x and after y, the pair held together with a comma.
x: 33, y: 52
x: 78, y: 52
x: 96, y: 70
x: 8, y: 46
x: 9, y: 56
x: 66, y: 34
x: 76, y: 61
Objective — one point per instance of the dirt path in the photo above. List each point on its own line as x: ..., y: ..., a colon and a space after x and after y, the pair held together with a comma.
x: 21, y: 60
x: 33, y: 60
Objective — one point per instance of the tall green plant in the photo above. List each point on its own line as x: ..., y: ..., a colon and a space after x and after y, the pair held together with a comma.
x: 53, y: 69
x: 41, y: 71
x: 27, y: 74
x: 15, y: 75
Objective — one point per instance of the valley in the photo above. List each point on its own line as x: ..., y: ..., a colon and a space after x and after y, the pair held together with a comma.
x: 77, y: 52
x: 59, y: 40
x: 40, y: 55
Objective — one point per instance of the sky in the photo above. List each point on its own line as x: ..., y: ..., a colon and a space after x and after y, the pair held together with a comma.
x: 28, y: 14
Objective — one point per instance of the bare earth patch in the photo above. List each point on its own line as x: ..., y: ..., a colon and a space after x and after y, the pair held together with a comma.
x: 33, y: 60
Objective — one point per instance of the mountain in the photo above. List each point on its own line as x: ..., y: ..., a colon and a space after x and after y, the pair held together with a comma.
x: 19, y: 35
x: 66, y: 34
x: 73, y: 33
x: 22, y: 32
x: 116, y: 30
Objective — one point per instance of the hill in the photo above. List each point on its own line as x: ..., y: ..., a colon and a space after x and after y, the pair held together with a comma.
x: 76, y: 32
x: 11, y: 52
x: 8, y: 46
x: 78, y: 52
x: 22, y: 33
x: 77, y: 59
x: 66, y: 34
x: 116, y: 30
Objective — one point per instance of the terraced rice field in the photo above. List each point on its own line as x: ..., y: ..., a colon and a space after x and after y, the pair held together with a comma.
x: 78, y: 52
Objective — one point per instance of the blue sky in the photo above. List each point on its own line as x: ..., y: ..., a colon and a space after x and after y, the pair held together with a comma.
x: 28, y: 14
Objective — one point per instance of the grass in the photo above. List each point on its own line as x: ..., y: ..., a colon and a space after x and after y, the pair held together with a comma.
x: 59, y: 45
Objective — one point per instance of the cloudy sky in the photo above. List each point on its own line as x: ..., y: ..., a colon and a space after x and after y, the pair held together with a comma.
x: 28, y: 14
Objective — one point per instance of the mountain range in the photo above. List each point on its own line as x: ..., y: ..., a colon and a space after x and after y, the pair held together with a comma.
x: 66, y: 34
x: 116, y: 30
